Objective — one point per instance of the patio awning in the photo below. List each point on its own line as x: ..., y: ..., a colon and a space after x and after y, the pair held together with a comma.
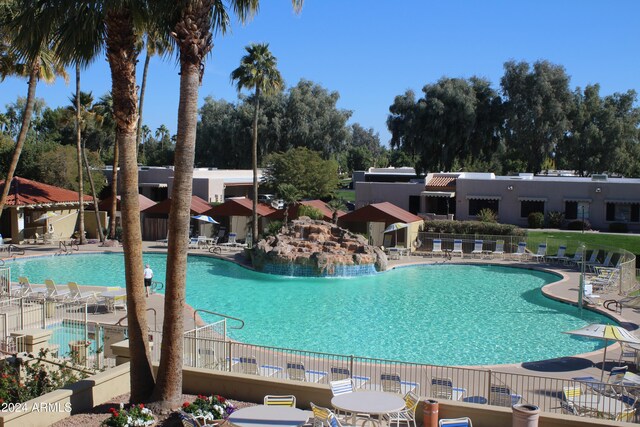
x: 448, y: 194
x: 578, y: 199
x: 622, y: 201
x: 478, y: 197
x: 532, y: 199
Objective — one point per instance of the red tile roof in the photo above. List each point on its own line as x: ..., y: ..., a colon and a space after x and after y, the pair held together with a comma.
x: 25, y: 192
x: 380, y: 212
x: 198, y: 207
x: 442, y: 181
x: 145, y: 202
x: 293, y: 210
x: 239, y: 207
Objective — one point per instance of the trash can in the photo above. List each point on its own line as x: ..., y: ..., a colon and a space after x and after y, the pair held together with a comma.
x: 525, y: 415
x: 78, y: 351
x: 430, y: 413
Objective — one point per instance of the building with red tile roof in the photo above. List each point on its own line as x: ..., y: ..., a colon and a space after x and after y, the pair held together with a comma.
x: 327, y: 213
x: 235, y: 215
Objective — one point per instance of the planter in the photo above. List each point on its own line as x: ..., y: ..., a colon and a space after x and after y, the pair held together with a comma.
x: 78, y: 351
x: 198, y: 421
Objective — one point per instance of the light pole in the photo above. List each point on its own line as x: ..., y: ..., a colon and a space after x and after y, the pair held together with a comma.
x: 582, y: 210
x: 581, y: 287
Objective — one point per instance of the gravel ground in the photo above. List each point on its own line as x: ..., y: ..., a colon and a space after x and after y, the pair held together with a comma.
x: 101, y: 412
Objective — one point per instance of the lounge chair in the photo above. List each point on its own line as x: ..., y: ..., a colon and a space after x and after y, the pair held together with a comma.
x: 77, y: 295
x: 593, y: 259
x: 340, y: 373
x: 477, y: 248
x: 408, y: 414
x: 455, y: 422
x: 499, y: 248
x: 25, y: 289
x: 502, y: 396
x: 569, y: 395
x: 612, y: 388
x: 280, y: 400
x: 297, y: 372
x: 560, y: 256
x: 541, y: 253
x: 457, y: 248
x: 391, y: 383
x: 605, y: 263
x: 521, y: 252
x: 249, y: 365
x: 442, y: 388
x: 54, y: 293
x: 437, y: 247
x: 577, y: 257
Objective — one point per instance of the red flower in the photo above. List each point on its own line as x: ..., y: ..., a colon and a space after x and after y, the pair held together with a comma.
x: 115, y: 414
x: 185, y: 404
x: 141, y: 406
x: 221, y: 399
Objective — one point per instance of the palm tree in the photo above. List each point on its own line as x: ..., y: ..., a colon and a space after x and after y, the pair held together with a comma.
x: 335, y: 205
x: 40, y: 64
x: 257, y: 71
x: 290, y: 195
x: 80, y: 31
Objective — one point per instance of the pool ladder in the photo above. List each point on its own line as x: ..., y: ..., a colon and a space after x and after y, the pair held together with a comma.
x: 201, y: 310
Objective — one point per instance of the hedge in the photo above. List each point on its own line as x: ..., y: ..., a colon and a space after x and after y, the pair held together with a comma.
x: 472, y: 227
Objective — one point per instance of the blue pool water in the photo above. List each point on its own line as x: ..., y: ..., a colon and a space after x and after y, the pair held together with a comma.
x: 439, y: 314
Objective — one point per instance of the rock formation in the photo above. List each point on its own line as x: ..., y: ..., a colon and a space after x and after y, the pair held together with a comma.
x: 319, y: 245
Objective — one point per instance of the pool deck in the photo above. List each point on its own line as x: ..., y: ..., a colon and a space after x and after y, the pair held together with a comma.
x: 564, y: 290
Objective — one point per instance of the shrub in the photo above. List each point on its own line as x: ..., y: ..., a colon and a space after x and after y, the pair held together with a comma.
x: 273, y: 228
x: 310, y: 211
x: 137, y: 415
x: 472, y: 227
x: 555, y: 219
x: 210, y: 408
x: 536, y: 220
x: 487, y: 215
x: 578, y: 224
x: 618, y: 227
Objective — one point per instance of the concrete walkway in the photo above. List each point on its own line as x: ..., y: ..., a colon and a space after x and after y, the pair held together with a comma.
x: 564, y: 290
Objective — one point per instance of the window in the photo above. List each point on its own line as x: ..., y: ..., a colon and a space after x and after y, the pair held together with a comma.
x: 571, y: 210
x: 476, y: 205
x: 623, y: 212
x: 530, y: 206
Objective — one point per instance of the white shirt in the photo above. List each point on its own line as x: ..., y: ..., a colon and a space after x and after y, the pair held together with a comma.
x: 148, y: 273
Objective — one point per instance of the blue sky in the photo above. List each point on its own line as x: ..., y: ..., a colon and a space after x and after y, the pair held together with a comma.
x: 371, y: 51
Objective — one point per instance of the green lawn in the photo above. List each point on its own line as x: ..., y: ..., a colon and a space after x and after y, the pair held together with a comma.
x: 630, y: 242
x: 349, y: 195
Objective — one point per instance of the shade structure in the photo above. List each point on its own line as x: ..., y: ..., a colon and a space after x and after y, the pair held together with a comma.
x: 395, y: 227
x: 607, y: 333
x: 46, y: 215
x: 205, y: 218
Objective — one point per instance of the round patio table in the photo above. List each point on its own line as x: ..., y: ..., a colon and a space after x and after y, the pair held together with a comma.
x: 376, y: 403
x: 269, y: 416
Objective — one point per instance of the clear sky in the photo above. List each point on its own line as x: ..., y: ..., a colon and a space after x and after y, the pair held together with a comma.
x: 372, y: 50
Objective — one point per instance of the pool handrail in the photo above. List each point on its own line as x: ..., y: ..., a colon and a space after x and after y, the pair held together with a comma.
x: 202, y: 310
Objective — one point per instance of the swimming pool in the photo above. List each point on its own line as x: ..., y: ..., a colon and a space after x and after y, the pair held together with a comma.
x: 438, y: 314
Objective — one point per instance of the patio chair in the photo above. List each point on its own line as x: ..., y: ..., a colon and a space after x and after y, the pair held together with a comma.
x: 588, y: 294
x: 25, y: 289
x: 559, y: 256
x: 457, y: 248
x: 499, y: 248
x: 54, y: 293
x: 569, y: 394
x: 541, y: 253
x: 521, y: 252
x: 455, y: 422
x: 280, y: 400
x: 593, y: 259
x: 343, y: 386
x: 297, y: 372
x: 321, y: 415
x: 477, y: 248
x: 79, y: 296
x: 340, y: 373
x: 408, y: 414
x: 577, y: 257
x: 612, y: 388
x: 502, y: 396
x: 437, y: 247
x: 391, y: 383
x: 442, y: 388
x: 231, y: 240
x: 249, y: 365
x: 605, y: 263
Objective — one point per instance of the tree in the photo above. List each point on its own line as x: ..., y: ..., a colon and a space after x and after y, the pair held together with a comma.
x: 537, y: 101
x: 290, y: 195
x: 304, y: 169
x: 40, y: 63
x: 257, y: 71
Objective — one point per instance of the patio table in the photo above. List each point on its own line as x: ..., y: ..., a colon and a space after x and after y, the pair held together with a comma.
x: 376, y: 403
x: 111, y: 299
x: 602, y: 406
x: 269, y: 416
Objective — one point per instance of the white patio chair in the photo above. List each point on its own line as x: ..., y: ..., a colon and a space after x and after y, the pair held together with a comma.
x: 499, y: 250
x: 54, y: 293
x: 541, y: 253
x: 477, y: 248
x: 560, y: 256
x: 437, y: 247
x: 442, y: 388
x: 408, y: 414
x: 521, y: 252
x: 457, y: 248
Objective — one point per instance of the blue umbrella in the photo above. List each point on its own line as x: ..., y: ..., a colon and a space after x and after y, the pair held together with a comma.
x: 205, y: 218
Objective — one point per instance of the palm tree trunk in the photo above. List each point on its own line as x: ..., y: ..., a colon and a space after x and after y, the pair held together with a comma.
x: 143, y: 87
x: 169, y: 380
x: 24, y: 128
x: 254, y: 165
x: 114, y: 191
x: 79, y: 152
x: 93, y: 193
x: 121, y: 53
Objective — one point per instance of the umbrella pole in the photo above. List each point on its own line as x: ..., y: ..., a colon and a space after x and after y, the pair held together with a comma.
x: 604, y: 359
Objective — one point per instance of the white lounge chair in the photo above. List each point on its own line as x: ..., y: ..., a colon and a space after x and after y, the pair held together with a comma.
x: 340, y: 373
x: 297, y: 372
x: 437, y: 247
x: 502, y: 396
x: 605, y: 263
x: 593, y: 259
x: 577, y: 257
x: 249, y: 365
x: 442, y: 388
x: 521, y: 252
x: 560, y: 256
x: 25, y: 289
x: 477, y: 248
x: 391, y: 383
x: 499, y: 250
x: 457, y: 248
x: 54, y: 293
x: 77, y: 295
x: 541, y: 253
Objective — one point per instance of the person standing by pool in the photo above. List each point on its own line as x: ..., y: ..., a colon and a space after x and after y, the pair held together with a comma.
x: 148, y: 275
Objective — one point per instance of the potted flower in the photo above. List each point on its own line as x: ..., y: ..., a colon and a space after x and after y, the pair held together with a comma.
x: 137, y: 415
x: 210, y: 410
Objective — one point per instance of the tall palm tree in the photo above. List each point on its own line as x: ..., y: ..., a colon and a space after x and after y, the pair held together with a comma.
x: 81, y: 30
x: 40, y: 63
x: 290, y: 195
x: 257, y: 71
